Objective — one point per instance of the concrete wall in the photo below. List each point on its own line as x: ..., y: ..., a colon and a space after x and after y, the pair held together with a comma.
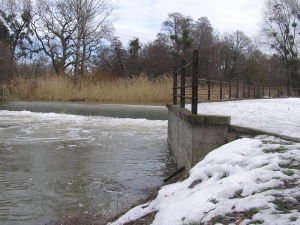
x: 191, y: 137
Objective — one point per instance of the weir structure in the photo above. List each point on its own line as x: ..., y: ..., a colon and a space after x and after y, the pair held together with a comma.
x: 89, y: 109
x: 192, y: 136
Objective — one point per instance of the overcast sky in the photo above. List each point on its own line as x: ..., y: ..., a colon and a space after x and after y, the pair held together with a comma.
x: 143, y: 18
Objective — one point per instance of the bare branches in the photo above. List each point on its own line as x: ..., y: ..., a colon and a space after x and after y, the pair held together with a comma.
x: 281, y: 30
x: 70, y: 31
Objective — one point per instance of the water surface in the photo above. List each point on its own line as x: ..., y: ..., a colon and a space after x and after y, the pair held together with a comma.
x: 52, y: 165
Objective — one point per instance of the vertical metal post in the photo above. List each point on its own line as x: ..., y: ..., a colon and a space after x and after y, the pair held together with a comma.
x: 182, y: 83
x: 243, y: 89
x: 208, y: 89
x: 175, y: 86
x: 195, y: 82
x: 278, y: 92
x: 269, y: 91
x: 221, y: 90
x: 253, y: 91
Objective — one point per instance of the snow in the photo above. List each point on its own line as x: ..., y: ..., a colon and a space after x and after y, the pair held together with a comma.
x: 246, y: 181
x: 279, y: 116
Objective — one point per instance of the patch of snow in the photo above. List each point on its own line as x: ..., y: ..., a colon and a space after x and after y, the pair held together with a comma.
x: 273, y: 115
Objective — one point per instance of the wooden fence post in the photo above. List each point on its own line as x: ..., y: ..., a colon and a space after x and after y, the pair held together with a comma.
x: 182, y: 83
x: 4, y: 92
x: 230, y: 89
x: 221, y: 89
x: 208, y: 89
x: 249, y: 91
x: 195, y: 83
x: 175, y: 86
x: 237, y: 89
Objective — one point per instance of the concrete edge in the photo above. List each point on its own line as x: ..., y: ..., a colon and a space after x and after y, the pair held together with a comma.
x: 89, y: 109
x: 188, y: 117
x: 255, y: 132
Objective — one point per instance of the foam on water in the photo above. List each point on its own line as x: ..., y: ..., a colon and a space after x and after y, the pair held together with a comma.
x: 57, y: 164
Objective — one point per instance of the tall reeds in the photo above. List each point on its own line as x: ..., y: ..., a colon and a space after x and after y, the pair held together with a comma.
x: 137, y: 89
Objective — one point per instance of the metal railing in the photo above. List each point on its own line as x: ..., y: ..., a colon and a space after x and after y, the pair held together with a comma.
x: 196, y: 90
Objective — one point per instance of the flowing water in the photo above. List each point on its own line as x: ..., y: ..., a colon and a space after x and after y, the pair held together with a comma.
x: 55, y: 165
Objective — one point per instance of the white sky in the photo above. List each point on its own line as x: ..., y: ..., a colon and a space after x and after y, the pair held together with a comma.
x: 143, y: 18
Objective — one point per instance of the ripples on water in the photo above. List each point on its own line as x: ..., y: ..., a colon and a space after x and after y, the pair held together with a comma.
x: 53, y: 165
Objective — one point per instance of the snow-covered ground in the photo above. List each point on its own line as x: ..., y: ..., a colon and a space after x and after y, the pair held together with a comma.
x: 281, y: 116
x: 248, y: 181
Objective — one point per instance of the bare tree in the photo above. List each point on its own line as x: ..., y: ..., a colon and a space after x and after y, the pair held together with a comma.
x: 281, y: 30
x: 70, y: 31
x: 15, y: 32
x: 233, y: 51
x: 111, y: 59
x: 92, y: 25
x: 53, y: 27
x: 204, y: 40
x: 156, y: 58
x: 178, y: 28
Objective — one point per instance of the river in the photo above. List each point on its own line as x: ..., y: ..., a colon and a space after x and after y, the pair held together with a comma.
x: 54, y: 165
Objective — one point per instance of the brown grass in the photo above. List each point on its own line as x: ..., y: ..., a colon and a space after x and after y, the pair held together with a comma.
x: 138, y: 89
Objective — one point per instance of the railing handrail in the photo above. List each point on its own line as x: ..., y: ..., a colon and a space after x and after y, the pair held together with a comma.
x: 254, y: 91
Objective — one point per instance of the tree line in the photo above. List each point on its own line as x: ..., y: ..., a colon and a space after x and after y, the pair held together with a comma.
x: 76, y: 38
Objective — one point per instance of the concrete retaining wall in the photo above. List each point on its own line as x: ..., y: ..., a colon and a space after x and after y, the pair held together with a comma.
x: 191, y: 137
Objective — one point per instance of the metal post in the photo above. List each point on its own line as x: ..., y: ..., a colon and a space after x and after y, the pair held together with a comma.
x: 182, y: 83
x: 253, y: 91
x: 175, y: 86
x: 195, y: 83
x: 243, y: 89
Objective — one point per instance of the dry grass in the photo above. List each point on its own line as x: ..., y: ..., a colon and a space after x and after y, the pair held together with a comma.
x: 138, y: 89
